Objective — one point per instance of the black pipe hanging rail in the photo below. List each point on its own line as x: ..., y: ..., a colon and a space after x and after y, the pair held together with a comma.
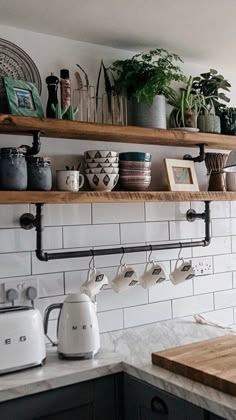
x: 29, y: 221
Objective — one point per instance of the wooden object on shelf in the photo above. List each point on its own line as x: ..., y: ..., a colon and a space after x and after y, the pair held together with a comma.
x: 210, y: 362
x: 57, y: 197
x: 13, y: 124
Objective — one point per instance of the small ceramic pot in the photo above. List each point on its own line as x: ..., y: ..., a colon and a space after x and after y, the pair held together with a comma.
x: 209, y: 123
x: 143, y: 115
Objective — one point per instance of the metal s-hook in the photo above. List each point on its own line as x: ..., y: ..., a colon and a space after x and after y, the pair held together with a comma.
x: 149, y: 257
x: 92, y: 261
x: 122, y: 256
x: 180, y: 250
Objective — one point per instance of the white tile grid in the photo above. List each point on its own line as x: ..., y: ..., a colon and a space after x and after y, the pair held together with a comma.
x: 127, y: 224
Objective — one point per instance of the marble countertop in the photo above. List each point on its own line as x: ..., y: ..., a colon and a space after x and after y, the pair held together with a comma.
x: 128, y: 351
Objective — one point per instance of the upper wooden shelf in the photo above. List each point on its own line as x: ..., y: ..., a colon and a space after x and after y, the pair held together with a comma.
x: 58, y: 197
x: 13, y: 124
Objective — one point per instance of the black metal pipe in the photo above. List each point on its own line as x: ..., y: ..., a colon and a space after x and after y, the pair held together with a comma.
x: 45, y: 256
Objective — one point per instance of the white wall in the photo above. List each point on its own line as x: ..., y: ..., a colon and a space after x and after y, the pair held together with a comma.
x: 117, y: 224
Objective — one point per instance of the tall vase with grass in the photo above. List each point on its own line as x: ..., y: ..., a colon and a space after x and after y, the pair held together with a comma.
x: 186, y: 107
x: 212, y: 86
x: 145, y: 79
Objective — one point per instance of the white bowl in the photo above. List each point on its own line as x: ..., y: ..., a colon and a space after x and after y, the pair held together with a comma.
x: 92, y: 154
x: 101, y: 165
x: 102, y: 171
x: 102, y: 182
x: 103, y: 160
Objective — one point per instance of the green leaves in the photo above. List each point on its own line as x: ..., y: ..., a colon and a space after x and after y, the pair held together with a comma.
x: 146, y: 75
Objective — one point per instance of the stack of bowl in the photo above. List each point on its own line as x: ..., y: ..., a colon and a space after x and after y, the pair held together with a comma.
x: 101, y: 169
x: 135, y: 171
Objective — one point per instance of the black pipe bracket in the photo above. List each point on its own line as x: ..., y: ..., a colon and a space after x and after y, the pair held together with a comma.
x: 202, y: 154
x: 36, y: 144
x: 29, y: 221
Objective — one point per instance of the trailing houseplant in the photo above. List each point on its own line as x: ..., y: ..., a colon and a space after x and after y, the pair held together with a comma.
x: 213, y: 86
x: 146, y: 80
x: 186, y: 106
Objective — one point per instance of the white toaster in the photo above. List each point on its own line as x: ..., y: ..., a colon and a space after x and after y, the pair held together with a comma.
x: 22, y: 343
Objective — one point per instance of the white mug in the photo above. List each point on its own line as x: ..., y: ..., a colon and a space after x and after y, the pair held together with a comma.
x: 69, y: 180
x: 125, y: 278
x: 95, y: 282
x: 182, y: 273
x: 153, y: 275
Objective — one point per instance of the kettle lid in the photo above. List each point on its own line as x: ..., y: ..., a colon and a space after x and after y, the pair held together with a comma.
x: 77, y: 298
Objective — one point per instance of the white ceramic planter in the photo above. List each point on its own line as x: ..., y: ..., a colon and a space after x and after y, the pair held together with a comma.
x: 153, y: 116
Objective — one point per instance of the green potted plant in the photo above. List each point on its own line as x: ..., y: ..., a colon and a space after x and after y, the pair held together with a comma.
x: 186, y: 107
x: 211, y: 85
x: 145, y: 79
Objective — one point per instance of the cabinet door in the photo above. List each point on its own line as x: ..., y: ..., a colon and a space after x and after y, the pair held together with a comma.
x: 91, y: 400
x: 145, y: 402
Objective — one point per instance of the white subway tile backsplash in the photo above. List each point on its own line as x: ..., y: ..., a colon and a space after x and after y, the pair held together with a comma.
x: 225, y: 299
x: 226, y: 262
x: 10, y: 214
x: 126, y: 224
x: 218, y: 209
x: 50, y: 284
x: 118, y: 212
x: 108, y: 299
x: 212, y: 283
x: 12, y: 265
x: 91, y: 235
x: 144, y: 232
x: 218, y: 245
x: 223, y: 227
x: 110, y: 320
x: 192, y: 305
x: 166, y: 211
x: 20, y: 240
x: 145, y: 314
x: 166, y: 291
x: 66, y: 214
x: 187, y: 230
x: 233, y: 208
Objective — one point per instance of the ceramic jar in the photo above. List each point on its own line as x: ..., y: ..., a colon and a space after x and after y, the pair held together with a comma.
x: 13, y: 169
x: 209, y: 123
x: 39, y: 173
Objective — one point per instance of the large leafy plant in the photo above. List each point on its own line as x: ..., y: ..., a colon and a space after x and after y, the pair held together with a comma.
x: 146, y: 75
x: 212, y: 86
x: 186, y: 101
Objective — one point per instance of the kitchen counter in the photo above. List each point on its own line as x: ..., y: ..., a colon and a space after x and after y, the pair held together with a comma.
x: 127, y: 351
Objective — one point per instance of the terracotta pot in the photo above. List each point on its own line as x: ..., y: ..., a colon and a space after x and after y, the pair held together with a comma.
x: 175, y: 119
x: 189, y: 119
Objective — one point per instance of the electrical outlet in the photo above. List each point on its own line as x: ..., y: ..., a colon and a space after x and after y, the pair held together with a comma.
x: 20, y: 285
x: 202, y: 265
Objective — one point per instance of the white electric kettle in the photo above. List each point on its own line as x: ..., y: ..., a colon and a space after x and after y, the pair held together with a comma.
x: 77, y: 327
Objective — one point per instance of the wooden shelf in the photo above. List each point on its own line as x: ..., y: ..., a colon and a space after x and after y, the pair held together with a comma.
x: 12, y: 124
x: 58, y: 197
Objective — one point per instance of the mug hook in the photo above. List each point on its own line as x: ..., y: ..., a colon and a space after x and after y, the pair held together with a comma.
x: 92, y: 260
x: 149, y: 257
x: 180, y: 250
x: 122, y: 256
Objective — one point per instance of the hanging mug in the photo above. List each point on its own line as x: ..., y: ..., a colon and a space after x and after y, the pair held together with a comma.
x: 125, y: 278
x: 95, y: 282
x: 152, y: 275
x: 182, y: 272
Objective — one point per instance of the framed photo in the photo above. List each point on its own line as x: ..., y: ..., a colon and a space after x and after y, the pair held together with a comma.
x: 23, y: 98
x: 181, y: 175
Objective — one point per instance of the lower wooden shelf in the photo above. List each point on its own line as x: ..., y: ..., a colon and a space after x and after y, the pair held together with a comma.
x: 60, y: 197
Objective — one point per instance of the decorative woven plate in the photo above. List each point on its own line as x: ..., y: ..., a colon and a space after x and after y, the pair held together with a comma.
x: 15, y: 63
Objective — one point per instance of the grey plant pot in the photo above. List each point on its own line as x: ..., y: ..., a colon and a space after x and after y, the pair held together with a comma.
x: 209, y: 123
x: 153, y: 116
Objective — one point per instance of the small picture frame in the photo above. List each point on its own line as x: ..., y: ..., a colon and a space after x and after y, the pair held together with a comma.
x: 22, y: 98
x: 181, y: 175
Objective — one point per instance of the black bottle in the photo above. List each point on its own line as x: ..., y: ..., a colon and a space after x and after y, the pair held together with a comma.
x: 52, y: 85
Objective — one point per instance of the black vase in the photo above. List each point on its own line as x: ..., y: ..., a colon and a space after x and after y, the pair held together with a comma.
x: 228, y: 122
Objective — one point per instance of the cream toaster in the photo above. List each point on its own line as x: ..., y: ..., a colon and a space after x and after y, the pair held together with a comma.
x: 22, y: 343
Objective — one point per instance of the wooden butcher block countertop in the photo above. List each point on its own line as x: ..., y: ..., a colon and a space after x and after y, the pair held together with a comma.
x: 211, y: 362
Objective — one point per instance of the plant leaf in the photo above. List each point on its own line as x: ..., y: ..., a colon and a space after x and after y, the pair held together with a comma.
x: 98, y: 83
x: 107, y: 86
x: 85, y: 75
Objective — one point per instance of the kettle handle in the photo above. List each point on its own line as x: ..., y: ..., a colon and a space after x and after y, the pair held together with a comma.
x: 48, y: 310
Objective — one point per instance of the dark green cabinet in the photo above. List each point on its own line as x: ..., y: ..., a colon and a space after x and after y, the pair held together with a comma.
x: 113, y: 397
x: 92, y: 400
x: 145, y: 402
